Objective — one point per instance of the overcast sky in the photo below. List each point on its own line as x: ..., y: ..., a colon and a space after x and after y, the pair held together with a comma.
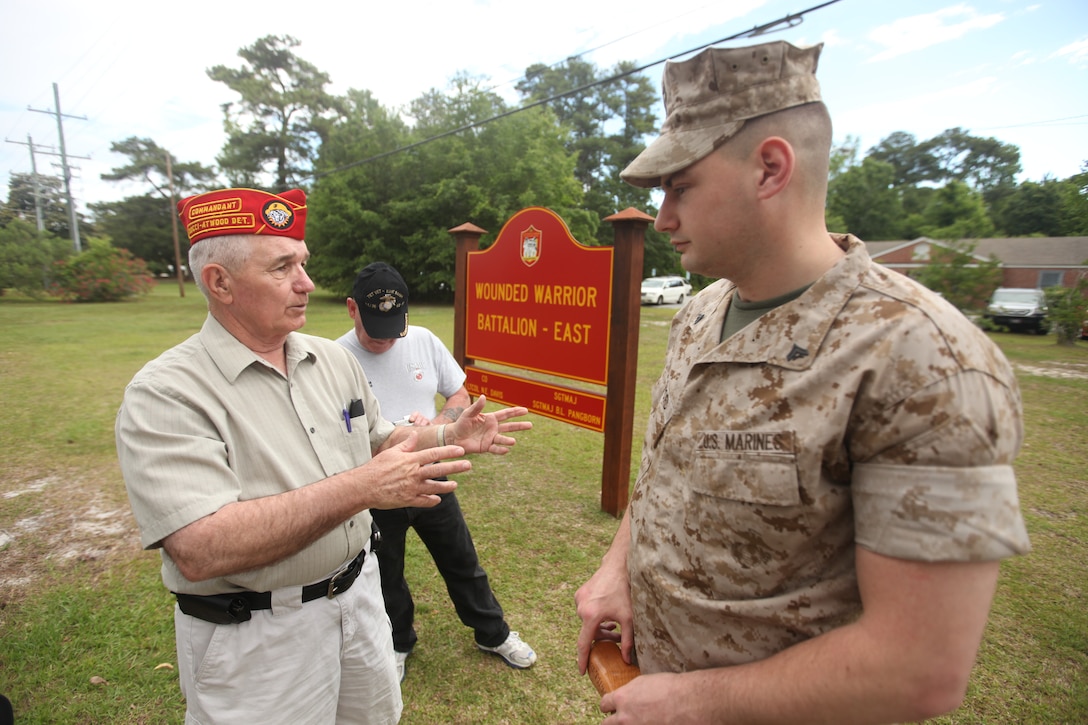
x: 1016, y: 70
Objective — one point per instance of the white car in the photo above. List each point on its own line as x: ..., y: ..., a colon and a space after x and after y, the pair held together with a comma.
x: 659, y: 290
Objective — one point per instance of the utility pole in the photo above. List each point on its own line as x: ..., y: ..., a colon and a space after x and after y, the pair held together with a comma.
x: 37, y: 185
x: 72, y: 218
x: 174, y: 222
x: 37, y: 180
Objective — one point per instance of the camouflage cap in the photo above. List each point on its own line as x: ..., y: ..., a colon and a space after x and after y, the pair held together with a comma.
x: 709, y: 96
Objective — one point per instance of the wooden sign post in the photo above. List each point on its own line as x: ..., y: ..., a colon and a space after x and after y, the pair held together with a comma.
x: 537, y: 300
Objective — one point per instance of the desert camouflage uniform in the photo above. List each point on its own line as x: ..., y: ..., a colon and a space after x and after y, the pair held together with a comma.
x: 867, y: 411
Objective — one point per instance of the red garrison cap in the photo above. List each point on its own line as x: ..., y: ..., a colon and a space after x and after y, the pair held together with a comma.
x: 244, y: 211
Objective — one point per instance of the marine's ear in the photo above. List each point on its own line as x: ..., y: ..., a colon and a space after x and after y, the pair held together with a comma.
x: 777, y: 163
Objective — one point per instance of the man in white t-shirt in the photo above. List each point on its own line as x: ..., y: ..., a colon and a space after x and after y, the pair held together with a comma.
x: 407, y: 366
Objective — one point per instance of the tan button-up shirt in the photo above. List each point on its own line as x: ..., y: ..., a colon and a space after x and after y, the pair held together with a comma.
x: 867, y: 412
x: 209, y: 423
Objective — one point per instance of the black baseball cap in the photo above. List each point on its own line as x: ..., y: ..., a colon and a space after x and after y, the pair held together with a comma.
x: 382, y: 298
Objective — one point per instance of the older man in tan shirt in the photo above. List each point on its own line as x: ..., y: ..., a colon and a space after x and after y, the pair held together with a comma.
x: 252, y: 453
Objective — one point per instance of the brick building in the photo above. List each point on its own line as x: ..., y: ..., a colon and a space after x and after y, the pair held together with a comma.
x: 1033, y: 262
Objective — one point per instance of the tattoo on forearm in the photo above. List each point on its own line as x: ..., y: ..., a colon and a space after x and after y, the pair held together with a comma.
x: 453, y: 413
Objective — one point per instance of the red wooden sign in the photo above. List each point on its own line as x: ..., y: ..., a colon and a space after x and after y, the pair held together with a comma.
x: 537, y: 299
x: 568, y: 405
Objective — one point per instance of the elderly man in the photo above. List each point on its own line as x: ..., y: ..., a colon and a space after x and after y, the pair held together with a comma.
x: 252, y: 453
x: 826, y: 486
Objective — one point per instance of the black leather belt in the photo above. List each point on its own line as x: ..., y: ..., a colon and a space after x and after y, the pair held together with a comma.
x: 236, y: 607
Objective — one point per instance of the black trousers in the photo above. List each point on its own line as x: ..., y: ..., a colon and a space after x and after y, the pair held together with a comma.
x: 443, y: 531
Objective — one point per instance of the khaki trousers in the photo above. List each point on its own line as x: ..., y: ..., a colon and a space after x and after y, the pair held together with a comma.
x: 328, y: 661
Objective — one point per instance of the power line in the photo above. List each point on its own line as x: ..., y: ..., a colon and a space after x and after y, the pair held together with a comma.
x: 1049, y: 122
x: 787, y: 21
x: 606, y: 44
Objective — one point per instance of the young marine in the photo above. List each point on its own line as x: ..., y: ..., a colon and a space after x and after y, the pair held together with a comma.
x: 826, y: 487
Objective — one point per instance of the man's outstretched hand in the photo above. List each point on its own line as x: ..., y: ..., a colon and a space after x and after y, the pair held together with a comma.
x: 480, y: 432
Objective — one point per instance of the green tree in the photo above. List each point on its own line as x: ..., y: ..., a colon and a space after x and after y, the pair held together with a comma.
x: 913, y: 162
x: 372, y: 202
x: 1074, y: 206
x: 608, y: 114
x: 639, y: 120
x: 583, y: 112
x: 844, y: 156
x: 144, y: 224
x: 357, y: 176
x: 27, y: 257
x: 985, y: 164
x: 637, y: 99
x: 955, y: 211
x: 955, y: 271
x: 22, y: 190
x: 282, y: 118
x: 1032, y: 208
x: 147, y: 163
x: 863, y: 198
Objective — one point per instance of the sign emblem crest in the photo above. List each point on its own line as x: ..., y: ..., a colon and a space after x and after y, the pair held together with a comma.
x: 530, y: 246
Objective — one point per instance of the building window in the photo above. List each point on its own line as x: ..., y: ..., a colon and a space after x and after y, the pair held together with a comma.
x: 1049, y: 279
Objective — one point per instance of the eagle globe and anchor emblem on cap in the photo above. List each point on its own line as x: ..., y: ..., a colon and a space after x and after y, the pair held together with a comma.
x: 388, y: 301
x: 530, y: 245
x: 278, y: 214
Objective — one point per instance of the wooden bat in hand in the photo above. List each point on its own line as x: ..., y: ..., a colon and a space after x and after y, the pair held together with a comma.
x: 606, y: 668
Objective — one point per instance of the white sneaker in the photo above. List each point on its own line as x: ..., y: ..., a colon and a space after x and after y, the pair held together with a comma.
x: 516, y: 653
x: 402, y: 664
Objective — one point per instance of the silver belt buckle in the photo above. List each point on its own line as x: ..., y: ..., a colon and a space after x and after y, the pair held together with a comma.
x: 353, y: 565
x: 333, y: 591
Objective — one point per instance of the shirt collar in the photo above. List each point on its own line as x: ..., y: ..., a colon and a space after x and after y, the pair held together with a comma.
x: 232, y: 357
x: 790, y: 336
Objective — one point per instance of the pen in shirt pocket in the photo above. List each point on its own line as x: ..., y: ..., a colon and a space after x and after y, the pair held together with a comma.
x: 354, y: 410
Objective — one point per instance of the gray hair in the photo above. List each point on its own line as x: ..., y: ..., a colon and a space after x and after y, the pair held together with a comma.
x: 229, y: 251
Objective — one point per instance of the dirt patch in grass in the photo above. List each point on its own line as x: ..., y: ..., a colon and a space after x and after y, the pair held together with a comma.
x: 1056, y: 369
x: 52, y: 522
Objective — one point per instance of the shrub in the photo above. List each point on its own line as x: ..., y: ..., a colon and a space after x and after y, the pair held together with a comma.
x: 1068, y: 309
x: 27, y: 256
x: 102, y: 274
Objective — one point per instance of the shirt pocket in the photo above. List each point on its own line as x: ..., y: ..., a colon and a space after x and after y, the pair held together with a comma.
x: 748, y: 512
x: 767, y: 480
x: 754, y: 468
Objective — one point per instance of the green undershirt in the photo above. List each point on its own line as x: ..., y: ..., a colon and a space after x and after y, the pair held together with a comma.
x: 741, y: 314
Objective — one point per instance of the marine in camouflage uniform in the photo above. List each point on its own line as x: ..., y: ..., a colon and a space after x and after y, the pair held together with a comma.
x: 866, y: 411
x: 826, y: 483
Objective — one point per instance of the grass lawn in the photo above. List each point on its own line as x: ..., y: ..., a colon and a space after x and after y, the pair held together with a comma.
x: 86, y: 632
